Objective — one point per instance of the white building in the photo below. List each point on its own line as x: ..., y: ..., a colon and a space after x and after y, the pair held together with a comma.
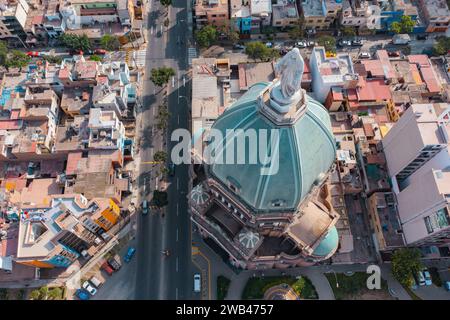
x: 418, y: 159
x: 328, y: 72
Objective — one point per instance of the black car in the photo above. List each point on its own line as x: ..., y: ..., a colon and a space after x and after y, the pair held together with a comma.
x: 114, y: 264
x: 422, y: 37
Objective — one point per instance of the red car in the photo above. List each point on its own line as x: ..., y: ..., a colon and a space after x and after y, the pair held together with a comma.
x: 107, y: 268
x: 393, y: 54
x: 33, y: 54
x: 100, y: 51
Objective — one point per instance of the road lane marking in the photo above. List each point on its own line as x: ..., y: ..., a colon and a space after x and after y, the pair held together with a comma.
x: 184, y: 81
x: 177, y: 234
x: 176, y: 266
x: 177, y: 209
x: 178, y: 185
x: 156, y: 183
x: 173, y: 82
x: 151, y: 162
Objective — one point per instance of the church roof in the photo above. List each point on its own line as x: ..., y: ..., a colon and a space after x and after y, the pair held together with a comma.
x: 306, y: 151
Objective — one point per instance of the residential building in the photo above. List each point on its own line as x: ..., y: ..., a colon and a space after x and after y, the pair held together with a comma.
x: 13, y: 16
x: 240, y: 13
x: 68, y: 227
x: 284, y: 14
x: 211, y: 12
x: 320, y: 14
x: 106, y: 131
x: 392, y: 11
x: 436, y: 14
x: 330, y: 71
x: 261, y: 14
x: 418, y: 159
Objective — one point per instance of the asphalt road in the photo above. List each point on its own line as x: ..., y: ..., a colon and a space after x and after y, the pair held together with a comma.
x: 158, y: 276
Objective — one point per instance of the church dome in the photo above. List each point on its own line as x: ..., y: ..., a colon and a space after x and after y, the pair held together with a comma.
x: 306, y: 151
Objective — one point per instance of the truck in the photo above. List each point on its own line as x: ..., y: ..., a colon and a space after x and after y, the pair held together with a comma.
x: 114, y: 262
x: 402, y: 38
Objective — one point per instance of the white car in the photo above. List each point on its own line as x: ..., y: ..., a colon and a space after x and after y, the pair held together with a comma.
x: 427, y: 277
x: 364, y: 55
x: 301, y: 44
x: 89, y: 288
x: 197, y: 282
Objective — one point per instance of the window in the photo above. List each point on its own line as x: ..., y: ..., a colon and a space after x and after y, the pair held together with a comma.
x: 437, y: 221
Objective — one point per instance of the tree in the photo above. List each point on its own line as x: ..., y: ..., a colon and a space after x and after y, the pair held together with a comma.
x: 76, y: 42
x: 166, y: 3
x: 17, y: 59
x: 96, y: 58
x: 161, y: 76
x: 442, y: 46
x: 110, y: 42
x: 160, y: 198
x: 206, y: 36
x: 348, y: 31
x: 405, y: 264
x: 35, y: 295
x: 405, y: 25
x: 55, y: 294
x: 299, y: 286
x: 160, y: 156
x: 298, y: 30
x: 53, y: 59
x: 3, y: 53
x: 328, y: 42
x: 163, y: 117
x: 258, y: 50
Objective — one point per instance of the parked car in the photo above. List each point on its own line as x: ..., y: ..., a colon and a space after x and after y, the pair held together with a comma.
x: 171, y: 169
x: 89, y: 288
x: 82, y: 294
x: 301, y: 44
x: 427, y: 276
x: 447, y: 285
x: 364, y: 55
x: 197, y: 282
x: 33, y: 54
x: 95, y: 282
x: 75, y: 52
x: 130, y: 253
x: 269, y: 44
x: 238, y: 46
x: 106, y: 267
x: 114, y: 263
x: 420, y: 278
x: 99, y: 51
x: 357, y: 42
x: 394, y: 53
x: 310, y: 43
x: 422, y: 37
x: 145, y: 207
x: 344, y: 43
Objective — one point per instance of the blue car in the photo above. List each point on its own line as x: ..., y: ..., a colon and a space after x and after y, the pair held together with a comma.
x: 130, y: 254
x: 82, y: 294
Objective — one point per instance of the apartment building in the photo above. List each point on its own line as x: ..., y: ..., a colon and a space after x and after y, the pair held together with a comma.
x: 436, y: 14
x: 320, y: 14
x: 418, y: 159
x: 284, y: 14
x: 330, y: 71
x: 211, y: 12
x: 13, y: 17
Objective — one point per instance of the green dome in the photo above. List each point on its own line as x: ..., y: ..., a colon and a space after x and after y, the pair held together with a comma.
x: 306, y: 151
x: 328, y: 244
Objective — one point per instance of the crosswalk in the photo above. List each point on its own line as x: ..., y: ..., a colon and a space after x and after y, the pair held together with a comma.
x: 140, y: 58
x: 192, y: 54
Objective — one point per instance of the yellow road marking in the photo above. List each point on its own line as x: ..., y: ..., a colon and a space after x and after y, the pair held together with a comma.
x: 151, y: 162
